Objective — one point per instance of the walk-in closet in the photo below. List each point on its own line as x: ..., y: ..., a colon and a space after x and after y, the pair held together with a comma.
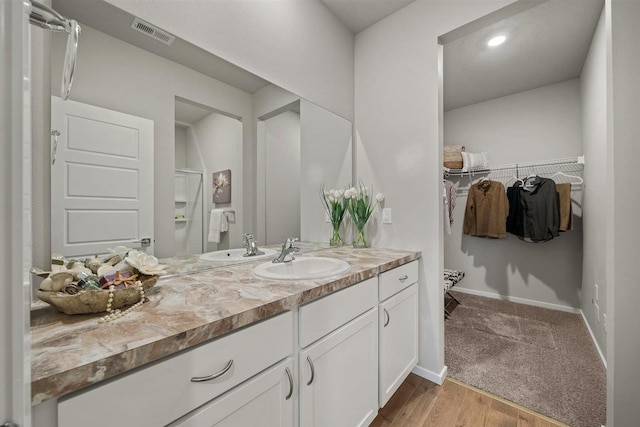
x: 523, y: 208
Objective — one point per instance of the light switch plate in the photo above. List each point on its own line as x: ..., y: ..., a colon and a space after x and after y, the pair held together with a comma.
x: 386, y: 216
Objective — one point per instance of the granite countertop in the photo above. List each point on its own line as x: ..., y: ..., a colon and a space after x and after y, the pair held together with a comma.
x: 71, y: 352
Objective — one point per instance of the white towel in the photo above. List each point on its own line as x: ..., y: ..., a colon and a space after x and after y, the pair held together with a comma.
x: 217, y: 224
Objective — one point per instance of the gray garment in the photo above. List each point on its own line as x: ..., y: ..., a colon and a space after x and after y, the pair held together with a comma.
x: 541, y: 215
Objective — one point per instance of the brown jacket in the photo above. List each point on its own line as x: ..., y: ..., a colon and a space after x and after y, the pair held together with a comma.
x: 487, y: 210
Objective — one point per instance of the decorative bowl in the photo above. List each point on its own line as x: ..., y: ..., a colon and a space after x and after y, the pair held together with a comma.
x: 95, y: 301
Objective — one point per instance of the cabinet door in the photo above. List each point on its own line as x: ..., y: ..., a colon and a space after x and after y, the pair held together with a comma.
x: 398, y: 329
x: 339, y: 376
x: 265, y: 400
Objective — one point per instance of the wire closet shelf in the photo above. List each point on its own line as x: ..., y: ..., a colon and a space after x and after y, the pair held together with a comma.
x: 522, y: 169
x: 564, y: 169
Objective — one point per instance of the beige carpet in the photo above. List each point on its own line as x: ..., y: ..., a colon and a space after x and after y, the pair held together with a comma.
x: 541, y: 359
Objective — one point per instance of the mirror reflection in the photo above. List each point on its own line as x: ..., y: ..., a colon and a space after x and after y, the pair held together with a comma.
x: 208, y: 117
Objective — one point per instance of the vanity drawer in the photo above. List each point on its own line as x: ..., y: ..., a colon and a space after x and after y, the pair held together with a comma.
x: 160, y: 393
x: 393, y: 281
x: 318, y: 318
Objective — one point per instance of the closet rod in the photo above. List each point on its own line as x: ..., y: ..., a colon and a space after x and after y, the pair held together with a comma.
x: 553, y: 162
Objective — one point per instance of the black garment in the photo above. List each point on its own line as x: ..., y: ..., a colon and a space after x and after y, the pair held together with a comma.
x: 534, y: 213
x: 515, y: 220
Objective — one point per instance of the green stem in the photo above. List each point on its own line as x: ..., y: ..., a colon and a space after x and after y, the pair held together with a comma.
x: 336, y: 240
x: 361, y: 237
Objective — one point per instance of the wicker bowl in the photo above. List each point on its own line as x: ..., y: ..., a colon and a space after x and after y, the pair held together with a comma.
x: 95, y: 301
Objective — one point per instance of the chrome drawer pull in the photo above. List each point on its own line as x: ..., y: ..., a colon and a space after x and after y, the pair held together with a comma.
x: 403, y: 278
x: 213, y: 376
x: 313, y: 371
x: 290, y: 383
x: 388, y: 317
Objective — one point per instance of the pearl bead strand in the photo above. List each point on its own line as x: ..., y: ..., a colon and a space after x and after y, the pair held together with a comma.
x: 117, y: 313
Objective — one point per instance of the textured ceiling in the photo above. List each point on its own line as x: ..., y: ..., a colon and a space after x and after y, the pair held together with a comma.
x: 545, y: 44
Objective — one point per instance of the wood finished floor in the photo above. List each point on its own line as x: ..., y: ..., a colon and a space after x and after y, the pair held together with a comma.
x: 419, y: 402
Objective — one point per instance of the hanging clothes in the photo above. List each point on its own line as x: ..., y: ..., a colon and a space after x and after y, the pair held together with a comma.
x: 450, y: 194
x: 515, y: 220
x: 564, y: 204
x: 487, y: 210
x: 534, y: 214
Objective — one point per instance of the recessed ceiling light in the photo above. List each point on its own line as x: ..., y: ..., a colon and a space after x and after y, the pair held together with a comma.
x: 496, y: 41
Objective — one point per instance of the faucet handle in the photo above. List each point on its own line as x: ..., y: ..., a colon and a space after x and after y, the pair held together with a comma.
x: 289, y: 242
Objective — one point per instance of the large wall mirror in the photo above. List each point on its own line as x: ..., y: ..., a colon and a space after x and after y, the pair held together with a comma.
x: 209, y: 118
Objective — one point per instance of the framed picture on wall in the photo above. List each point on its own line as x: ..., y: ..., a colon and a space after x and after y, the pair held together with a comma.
x: 222, y: 186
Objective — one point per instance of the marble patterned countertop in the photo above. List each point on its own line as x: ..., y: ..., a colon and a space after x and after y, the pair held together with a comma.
x: 72, y: 352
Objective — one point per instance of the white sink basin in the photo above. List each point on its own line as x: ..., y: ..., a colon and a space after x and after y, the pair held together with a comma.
x: 302, y: 268
x: 237, y: 255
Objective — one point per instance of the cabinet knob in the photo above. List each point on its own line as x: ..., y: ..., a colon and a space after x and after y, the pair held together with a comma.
x: 403, y: 278
x: 387, y: 317
x: 213, y: 376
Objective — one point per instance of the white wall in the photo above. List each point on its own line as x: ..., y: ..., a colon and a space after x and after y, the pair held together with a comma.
x: 266, y: 102
x: 326, y: 156
x: 291, y: 43
x: 623, y: 299
x: 219, y: 139
x: 115, y: 75
x: 282, y: 178
x: 398, y: 142
x: 15, y: 165
x: 538, y: 124
x: 593, y: 86
x: 181, y: 142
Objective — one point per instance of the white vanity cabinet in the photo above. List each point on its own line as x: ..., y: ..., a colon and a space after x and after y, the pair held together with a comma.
x: 165, y: 391
x: 333, y: 361
x: 339, y: 369
x: 398, y: 327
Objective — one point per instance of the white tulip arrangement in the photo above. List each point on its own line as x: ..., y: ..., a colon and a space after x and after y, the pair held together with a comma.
x: 334, y: 205
x: 360, y: 205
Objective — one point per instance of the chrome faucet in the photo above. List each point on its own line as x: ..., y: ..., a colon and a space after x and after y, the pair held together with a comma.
x: 250, y: 245
x: 287, y: 249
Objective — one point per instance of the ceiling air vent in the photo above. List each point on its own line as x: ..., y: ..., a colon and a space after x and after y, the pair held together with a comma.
x: 152, y: 31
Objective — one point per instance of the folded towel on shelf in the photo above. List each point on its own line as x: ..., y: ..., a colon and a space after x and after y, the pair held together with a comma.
x: 217, y: 224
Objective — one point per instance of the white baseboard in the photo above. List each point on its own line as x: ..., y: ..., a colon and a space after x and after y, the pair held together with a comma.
x: 430, y: 375
x: 593, y: 338
x: 542, y: 304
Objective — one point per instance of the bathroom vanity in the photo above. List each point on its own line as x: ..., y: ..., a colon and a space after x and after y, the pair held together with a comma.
x: 224, y: 347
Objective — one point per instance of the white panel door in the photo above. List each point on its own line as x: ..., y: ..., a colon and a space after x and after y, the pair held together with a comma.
x: 101, y: 181
x: 339, y: 376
